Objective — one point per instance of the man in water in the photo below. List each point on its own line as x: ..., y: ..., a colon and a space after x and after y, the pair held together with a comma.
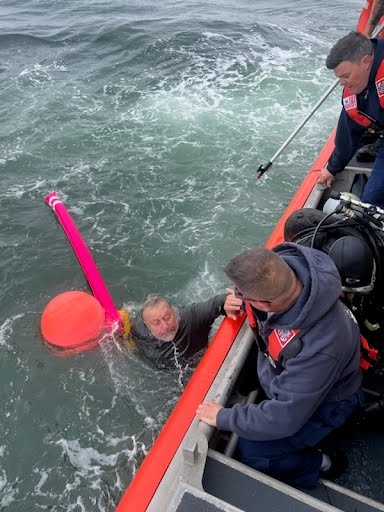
x: 358, y: 63
x: 308, y: 364
x: 162, y: 331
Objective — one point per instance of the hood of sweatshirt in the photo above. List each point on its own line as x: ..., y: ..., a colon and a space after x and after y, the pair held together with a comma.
x: 321, y: 287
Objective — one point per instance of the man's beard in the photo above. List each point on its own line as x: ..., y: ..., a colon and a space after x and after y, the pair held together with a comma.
x: 169, y: 334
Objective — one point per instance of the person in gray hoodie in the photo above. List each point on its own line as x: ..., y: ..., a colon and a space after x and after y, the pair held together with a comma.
x: 308, y: 363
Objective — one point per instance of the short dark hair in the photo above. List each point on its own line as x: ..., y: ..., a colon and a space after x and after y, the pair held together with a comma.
x: 260, y: 270
x: 352, y: 47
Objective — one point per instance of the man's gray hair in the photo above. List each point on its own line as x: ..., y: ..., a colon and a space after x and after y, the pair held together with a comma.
x: 153, y: 300
x: 260, y: 271
x: 352, y: 47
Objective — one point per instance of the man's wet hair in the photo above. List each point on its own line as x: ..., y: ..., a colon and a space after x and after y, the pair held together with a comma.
x: 352, y: 47
x: 152, y: 300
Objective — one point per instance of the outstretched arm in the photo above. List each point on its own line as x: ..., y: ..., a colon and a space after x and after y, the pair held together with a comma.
x: 225, y: 303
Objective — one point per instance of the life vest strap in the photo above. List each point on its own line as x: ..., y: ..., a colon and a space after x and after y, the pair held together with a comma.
x: 368, y: 354
x: 286, y: 343
x: 350, y: 101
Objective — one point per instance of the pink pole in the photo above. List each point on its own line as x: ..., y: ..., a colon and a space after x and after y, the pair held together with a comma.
x: 86, y: 261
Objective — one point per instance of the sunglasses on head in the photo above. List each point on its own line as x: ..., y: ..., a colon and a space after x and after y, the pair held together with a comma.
x: 239, y: 295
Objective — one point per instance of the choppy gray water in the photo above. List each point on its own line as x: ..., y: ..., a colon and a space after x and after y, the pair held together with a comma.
x: 149, y: 119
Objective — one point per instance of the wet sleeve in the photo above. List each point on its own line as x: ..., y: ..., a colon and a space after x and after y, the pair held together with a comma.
x: 207, y: 312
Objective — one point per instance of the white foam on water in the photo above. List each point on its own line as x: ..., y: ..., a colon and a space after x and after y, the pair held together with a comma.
x: 8, y: 490
x: 6, y: 329
x: 18, y: 191
x: 89, y: 460
x: 36, y: 75
x: 43, y: 478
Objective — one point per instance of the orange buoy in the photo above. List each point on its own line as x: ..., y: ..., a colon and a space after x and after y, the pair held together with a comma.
x: 72, y: 319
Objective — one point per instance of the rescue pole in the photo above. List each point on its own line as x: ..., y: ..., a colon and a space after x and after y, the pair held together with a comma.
x: 264, y: 168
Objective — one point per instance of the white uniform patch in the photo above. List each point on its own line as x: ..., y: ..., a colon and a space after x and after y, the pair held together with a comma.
x: 350, y: 314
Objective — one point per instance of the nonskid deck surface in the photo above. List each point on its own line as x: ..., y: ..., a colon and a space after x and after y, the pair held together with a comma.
x: 251, y: 491
x: 227, y: 485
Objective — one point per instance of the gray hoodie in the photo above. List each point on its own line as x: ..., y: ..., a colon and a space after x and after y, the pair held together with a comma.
x: 326, y: 368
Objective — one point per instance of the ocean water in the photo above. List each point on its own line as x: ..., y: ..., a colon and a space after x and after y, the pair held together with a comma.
x: 149, y: 119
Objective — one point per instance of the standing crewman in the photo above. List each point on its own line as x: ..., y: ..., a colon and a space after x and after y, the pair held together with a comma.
x: 358, y: 63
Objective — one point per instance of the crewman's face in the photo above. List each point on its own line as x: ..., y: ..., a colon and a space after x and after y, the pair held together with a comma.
x: 161, y: 321
x: 354, y: 75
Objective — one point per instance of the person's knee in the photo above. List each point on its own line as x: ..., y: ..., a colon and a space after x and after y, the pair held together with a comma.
x: 373, y: 192
x: 373, y: 196
x: 301, y: 469
x: 249, y: 454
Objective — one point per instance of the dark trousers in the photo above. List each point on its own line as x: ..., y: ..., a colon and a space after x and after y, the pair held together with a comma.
x: 374, y: 189
x: 295, y: 459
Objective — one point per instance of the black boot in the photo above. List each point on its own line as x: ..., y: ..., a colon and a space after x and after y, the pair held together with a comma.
x: 339, y: 463
x: 368, y: 153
